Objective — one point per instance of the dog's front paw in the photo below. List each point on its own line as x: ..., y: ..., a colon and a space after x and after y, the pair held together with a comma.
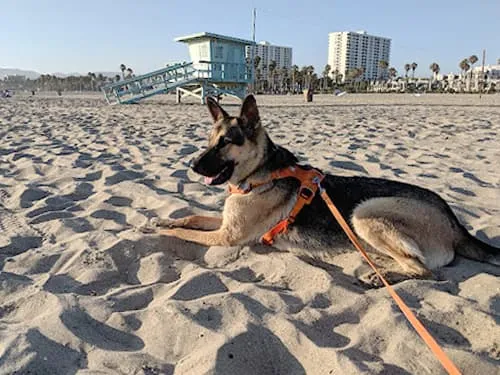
x: 149, y: 227
x: 155, y: 224
x: 165, y: 223
x: 371, y: 280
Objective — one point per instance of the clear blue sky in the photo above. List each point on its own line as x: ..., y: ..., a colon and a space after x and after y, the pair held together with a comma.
x: 81, y: 36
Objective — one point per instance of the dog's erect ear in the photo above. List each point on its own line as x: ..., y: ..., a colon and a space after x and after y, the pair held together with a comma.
x: 250, y: 112
x: 215, y: 109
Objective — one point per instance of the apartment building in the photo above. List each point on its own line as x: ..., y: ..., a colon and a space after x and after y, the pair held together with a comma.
x: 357, y: 49
x: 269, y: 52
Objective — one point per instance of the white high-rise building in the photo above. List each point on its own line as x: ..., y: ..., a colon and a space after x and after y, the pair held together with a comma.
x: 357, y: 49
x: 267, y: 53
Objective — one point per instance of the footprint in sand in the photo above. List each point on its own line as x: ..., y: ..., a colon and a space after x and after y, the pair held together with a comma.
x: 348, y: 165
x: 199, y: 286
x: 31, y: 195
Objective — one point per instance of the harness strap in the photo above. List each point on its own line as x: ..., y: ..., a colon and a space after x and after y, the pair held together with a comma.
x: 309, y: 182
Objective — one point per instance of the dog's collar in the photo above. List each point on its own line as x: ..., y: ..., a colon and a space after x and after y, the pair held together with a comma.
x: 256, y: 186
x: 246, y: 187
x: 299, y: 172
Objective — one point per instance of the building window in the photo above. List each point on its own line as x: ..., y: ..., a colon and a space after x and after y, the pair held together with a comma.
x: 219, y: 52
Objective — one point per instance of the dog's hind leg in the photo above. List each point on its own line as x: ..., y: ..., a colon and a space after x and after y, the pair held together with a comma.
x: 387, y: 231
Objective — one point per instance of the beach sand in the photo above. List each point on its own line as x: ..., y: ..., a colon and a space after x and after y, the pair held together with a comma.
x: 82, y: 291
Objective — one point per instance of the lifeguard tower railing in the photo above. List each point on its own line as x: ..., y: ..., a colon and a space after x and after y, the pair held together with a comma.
x: 208, y: 78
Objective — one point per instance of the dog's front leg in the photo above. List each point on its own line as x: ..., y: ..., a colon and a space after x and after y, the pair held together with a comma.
x: 218, y: 237
x: 207, y: 223
x: 190, y: 222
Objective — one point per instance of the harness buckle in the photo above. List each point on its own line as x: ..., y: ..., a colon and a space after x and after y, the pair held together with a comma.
x: 306, y: 193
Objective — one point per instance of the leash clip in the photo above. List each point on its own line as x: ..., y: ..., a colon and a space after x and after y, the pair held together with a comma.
x: 245, y: 187
x: 316, y: 180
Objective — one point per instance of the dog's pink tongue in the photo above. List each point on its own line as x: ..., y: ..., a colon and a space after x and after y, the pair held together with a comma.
x: 208, y: 180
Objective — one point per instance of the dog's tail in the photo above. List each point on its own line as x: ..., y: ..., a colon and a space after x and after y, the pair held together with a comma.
x: 473, y: 248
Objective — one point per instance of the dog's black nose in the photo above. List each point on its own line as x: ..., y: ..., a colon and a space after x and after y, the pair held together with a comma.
x: 194, y: 164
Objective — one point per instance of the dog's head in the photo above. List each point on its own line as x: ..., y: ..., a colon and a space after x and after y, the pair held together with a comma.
x: 236, y: 144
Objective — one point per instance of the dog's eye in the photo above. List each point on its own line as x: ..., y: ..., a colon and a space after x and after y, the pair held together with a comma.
x: 222, y: 142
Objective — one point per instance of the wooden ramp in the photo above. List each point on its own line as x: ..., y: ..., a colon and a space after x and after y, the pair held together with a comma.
x: 160, y: 81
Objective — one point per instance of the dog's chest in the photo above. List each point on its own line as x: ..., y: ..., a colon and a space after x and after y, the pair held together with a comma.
x: 255, y: 214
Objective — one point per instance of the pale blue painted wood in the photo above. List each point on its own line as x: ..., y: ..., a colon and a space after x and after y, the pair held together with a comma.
x: 218, y: 64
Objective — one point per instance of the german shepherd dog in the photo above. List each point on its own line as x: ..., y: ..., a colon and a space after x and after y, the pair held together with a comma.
x: 413, y: 228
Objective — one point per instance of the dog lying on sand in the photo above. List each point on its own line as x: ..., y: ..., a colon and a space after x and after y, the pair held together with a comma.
x: 413, y: 228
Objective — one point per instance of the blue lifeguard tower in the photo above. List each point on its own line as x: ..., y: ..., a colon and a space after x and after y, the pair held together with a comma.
x: 218, y: 67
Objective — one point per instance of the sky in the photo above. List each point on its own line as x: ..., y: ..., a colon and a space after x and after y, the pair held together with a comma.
x: 66, y: 36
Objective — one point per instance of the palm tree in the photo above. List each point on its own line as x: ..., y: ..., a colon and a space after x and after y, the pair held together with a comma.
x: 336, y: 76
x: 270, y: 73
x: 407, y: 69
x: 258, y: 77
x: 283, y: 77
x: 310, y: 78
x: 351, y: 74
x: 359, y: 73
x: 92, y: 77
x: 383, y: 65
x: 304, y: 77
x: 326, y: 72
x: 472, y: 60
x: 413, y: 67
x: 434, y: 67
x: 256, y: 63
x: 392, y: 72
x: 100, y: 80
x: 295, y: 74
x: 464, y: 66
x: 123, y: 67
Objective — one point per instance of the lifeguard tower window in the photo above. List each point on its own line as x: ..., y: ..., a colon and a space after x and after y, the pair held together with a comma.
x: 204, y: 51
x: 219, y: 52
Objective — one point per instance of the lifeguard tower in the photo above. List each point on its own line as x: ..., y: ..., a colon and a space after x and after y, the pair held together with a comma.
x: 218, y: 67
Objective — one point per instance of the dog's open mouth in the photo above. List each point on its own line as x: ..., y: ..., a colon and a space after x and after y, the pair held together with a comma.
x: 223, y: 175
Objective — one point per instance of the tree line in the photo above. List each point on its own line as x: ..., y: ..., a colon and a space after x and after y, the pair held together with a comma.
x: 50, y: 82
x: 268, y: 79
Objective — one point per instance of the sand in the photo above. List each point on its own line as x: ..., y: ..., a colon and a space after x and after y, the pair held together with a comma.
x: 82, y: 291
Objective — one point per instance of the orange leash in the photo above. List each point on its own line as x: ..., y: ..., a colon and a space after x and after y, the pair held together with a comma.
x: 310, y: 180
x: 419, y: 327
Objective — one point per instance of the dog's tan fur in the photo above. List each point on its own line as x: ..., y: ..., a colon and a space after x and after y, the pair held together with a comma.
x: 234, y: 227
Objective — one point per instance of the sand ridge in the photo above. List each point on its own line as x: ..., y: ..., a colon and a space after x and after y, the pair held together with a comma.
x: 83, y: 292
